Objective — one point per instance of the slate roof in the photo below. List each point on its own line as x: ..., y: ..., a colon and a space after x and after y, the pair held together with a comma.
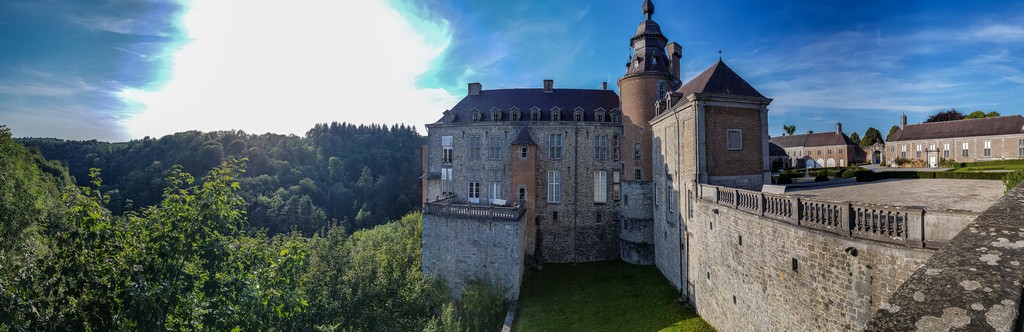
x: 524, y: 137
x: 776, y: 150
x: 719, y: 79
x: 1003, y: 125
x: 567, y: 100
x: 812, y: 140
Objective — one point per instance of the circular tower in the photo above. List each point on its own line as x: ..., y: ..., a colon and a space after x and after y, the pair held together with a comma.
x: 650, y: 74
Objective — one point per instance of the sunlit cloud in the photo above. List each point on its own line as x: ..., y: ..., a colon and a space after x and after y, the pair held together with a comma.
x: 272, y: 66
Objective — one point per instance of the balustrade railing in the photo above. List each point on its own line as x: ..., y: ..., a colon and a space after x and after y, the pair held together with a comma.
x: 448, y: 207
x: 881, y: 223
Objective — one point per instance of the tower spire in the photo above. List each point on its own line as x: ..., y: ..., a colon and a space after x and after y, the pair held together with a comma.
x: 648, y: 9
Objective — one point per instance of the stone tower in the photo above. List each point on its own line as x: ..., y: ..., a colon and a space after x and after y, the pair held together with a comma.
x: 650, y: 74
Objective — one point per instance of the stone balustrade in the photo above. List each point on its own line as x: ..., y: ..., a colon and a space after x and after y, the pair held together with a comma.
x: 450, y: 207
x: 896, y: 225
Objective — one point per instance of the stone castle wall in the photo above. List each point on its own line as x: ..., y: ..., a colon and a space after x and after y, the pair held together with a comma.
x: 751, y: 272
x: 460, y: 248
x: 637, y: 227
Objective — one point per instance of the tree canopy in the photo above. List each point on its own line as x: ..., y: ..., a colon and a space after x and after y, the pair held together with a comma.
x: 950, y: 115
x: 855, y: 138
x: 790, y: 129
x: 892, y: 130
x: 872, y: 136
x: 981, y: 114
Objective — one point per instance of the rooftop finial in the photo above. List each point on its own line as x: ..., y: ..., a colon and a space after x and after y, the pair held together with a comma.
x: 719, y: 55
x: 648, y: 9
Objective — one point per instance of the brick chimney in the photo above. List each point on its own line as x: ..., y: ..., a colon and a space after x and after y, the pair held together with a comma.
x: 604, y: 85
x: 839, y: 128
x: 475, y: 88
x: 675, y: 53
x: 549, y: 86
x: 903, y: 121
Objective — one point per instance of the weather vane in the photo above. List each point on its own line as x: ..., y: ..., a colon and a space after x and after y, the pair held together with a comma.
x: 719, y: 54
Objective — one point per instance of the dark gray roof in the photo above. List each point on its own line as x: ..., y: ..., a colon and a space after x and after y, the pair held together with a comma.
x: 775, y: 150
x: 1003, y: 125
x: 790, y: 141
x: 567, y: 100
x: 524, y: 137
x: 812, y: 140
x: 719, y: 79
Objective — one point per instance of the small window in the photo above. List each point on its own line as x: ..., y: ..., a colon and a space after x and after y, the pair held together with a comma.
x: 516, y: 115
x: 637, y: 174
x: 476, y: 116
x: 1020, y: 148
x: 988, y: 149
x: 615, y: 117
x: 554, y: 215
x: 522, y: 194
x: 945, y: 150
x: 535, y: 115
x: 577, y: 116
x: 966, y: 150
x: 495, y: 116
x: 615, y: 147
x: 523, y: 152
x: 741, y: 240
x: 637, y: 151
x: 599, y: 116
x: 796, y: 265
x: 734, y: 140
x: 661, y: 89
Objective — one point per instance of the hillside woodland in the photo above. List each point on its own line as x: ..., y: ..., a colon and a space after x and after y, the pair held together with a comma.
x: 187, y: 258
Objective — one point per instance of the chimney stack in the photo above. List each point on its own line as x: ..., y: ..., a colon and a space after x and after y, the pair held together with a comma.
x: 839, y: 128
x: 675, y: 53
x: 604, y: 85
x: 903, y: 121
x: 549, y: 86
x: 475, y: 88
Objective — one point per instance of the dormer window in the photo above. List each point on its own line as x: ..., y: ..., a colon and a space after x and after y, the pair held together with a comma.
x: 516, y: 115
x: 535, y: 114
x: 476, y: 116
x: 615, y: 117
x: 556, y: 114
x: 495, y: 115
x: 448, y: 116
x: 599, y: 116
x: 577, y: 116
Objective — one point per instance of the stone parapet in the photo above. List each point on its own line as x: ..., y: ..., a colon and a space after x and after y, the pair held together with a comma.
x: 971, y: 284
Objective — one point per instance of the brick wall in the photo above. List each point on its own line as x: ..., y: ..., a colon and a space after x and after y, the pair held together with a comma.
x: 638, y: 95
x: 725, y: 162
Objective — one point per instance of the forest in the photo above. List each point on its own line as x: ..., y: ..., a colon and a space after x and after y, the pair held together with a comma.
x: 338, y: 173
x: 185, y: 257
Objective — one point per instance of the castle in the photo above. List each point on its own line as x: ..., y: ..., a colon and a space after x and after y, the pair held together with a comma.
x: 585, y: 167
x: 667, y: 173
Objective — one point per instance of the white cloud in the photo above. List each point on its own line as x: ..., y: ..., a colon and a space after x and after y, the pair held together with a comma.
x: 283, y: 66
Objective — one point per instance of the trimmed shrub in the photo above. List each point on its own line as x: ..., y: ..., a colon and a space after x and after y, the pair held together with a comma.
x: 1013, y: 179
x: 822, y: 172
x: 821, y: 178
x: 784, y: 179
x: 849, y: 173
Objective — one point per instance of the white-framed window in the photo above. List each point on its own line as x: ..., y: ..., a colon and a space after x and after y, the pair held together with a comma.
x: 446, y: 149
x: 555, y: 146
x: 637, y: 151
x: 661, y: 89
x: 495, y: 115
x: 945, y: 150
x: 599, y: 116
x: 577, y: 116
x: 524, y: 151
x: 447, y: 175
x: 474, y: 185
x: 988, y: 149
x: 600, y: 187
x: 494, y: 191
x: 494, y: 145
x: 601, y: 147
x: 554, y: 186
x: 734, y: 139
x: 966, y: 150
x: 903, y: 151
x: 521, y: 194
x: 918, y: 152
x: 556, y: 115
x: 516, y: 115
x: 840, y: 151
x: 1020, y: 148
x: 535, y: 115
x: 474, y: 147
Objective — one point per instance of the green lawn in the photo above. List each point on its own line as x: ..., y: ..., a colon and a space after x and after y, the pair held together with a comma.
x: 1012, y: 167
x: 603, y: 296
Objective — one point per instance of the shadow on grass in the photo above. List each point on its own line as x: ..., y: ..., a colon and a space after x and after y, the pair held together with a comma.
x: 602, y: 296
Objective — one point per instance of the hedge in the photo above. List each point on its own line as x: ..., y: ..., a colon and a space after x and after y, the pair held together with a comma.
x: 864, y: 176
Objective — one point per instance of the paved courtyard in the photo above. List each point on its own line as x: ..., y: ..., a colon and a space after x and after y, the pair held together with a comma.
x: 930, y: 194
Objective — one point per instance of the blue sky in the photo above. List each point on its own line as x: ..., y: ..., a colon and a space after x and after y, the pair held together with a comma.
x: 122, y: 69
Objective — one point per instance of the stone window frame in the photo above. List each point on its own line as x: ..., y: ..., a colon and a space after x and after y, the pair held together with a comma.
x: 987, y: 150
x: 637, y: 151
x: 477, y: 115
x: 616, y: 152
x: 495, y: 177
x: 577, y: 114
x: 494, y: 148
x: 535, y: 114
x: 616, y: 116
x: 599, y: 114
x: 601, y: 147
x: 521, y: 194
x: 966, y: 150
x: 945, y: 150
x: 515, y: 114
x: 638, y: 174
x: 447, y: 151
x: 1020, y: 148
x: 739, y: 140
x: 524, y: 152
x: 556, y: 114
x: 495, y: 114
x: 600, y: 187
x: 917, y: 151
x: 554, y: 185
x: 447, y: 176
x: 474, y: 146
x: 555, y: 142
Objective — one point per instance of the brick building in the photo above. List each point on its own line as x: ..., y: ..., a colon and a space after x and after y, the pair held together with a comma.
x: 815, y: 150
x: 969, y: 140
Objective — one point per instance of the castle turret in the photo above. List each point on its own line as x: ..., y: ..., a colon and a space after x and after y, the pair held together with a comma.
x: 650, y: 74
